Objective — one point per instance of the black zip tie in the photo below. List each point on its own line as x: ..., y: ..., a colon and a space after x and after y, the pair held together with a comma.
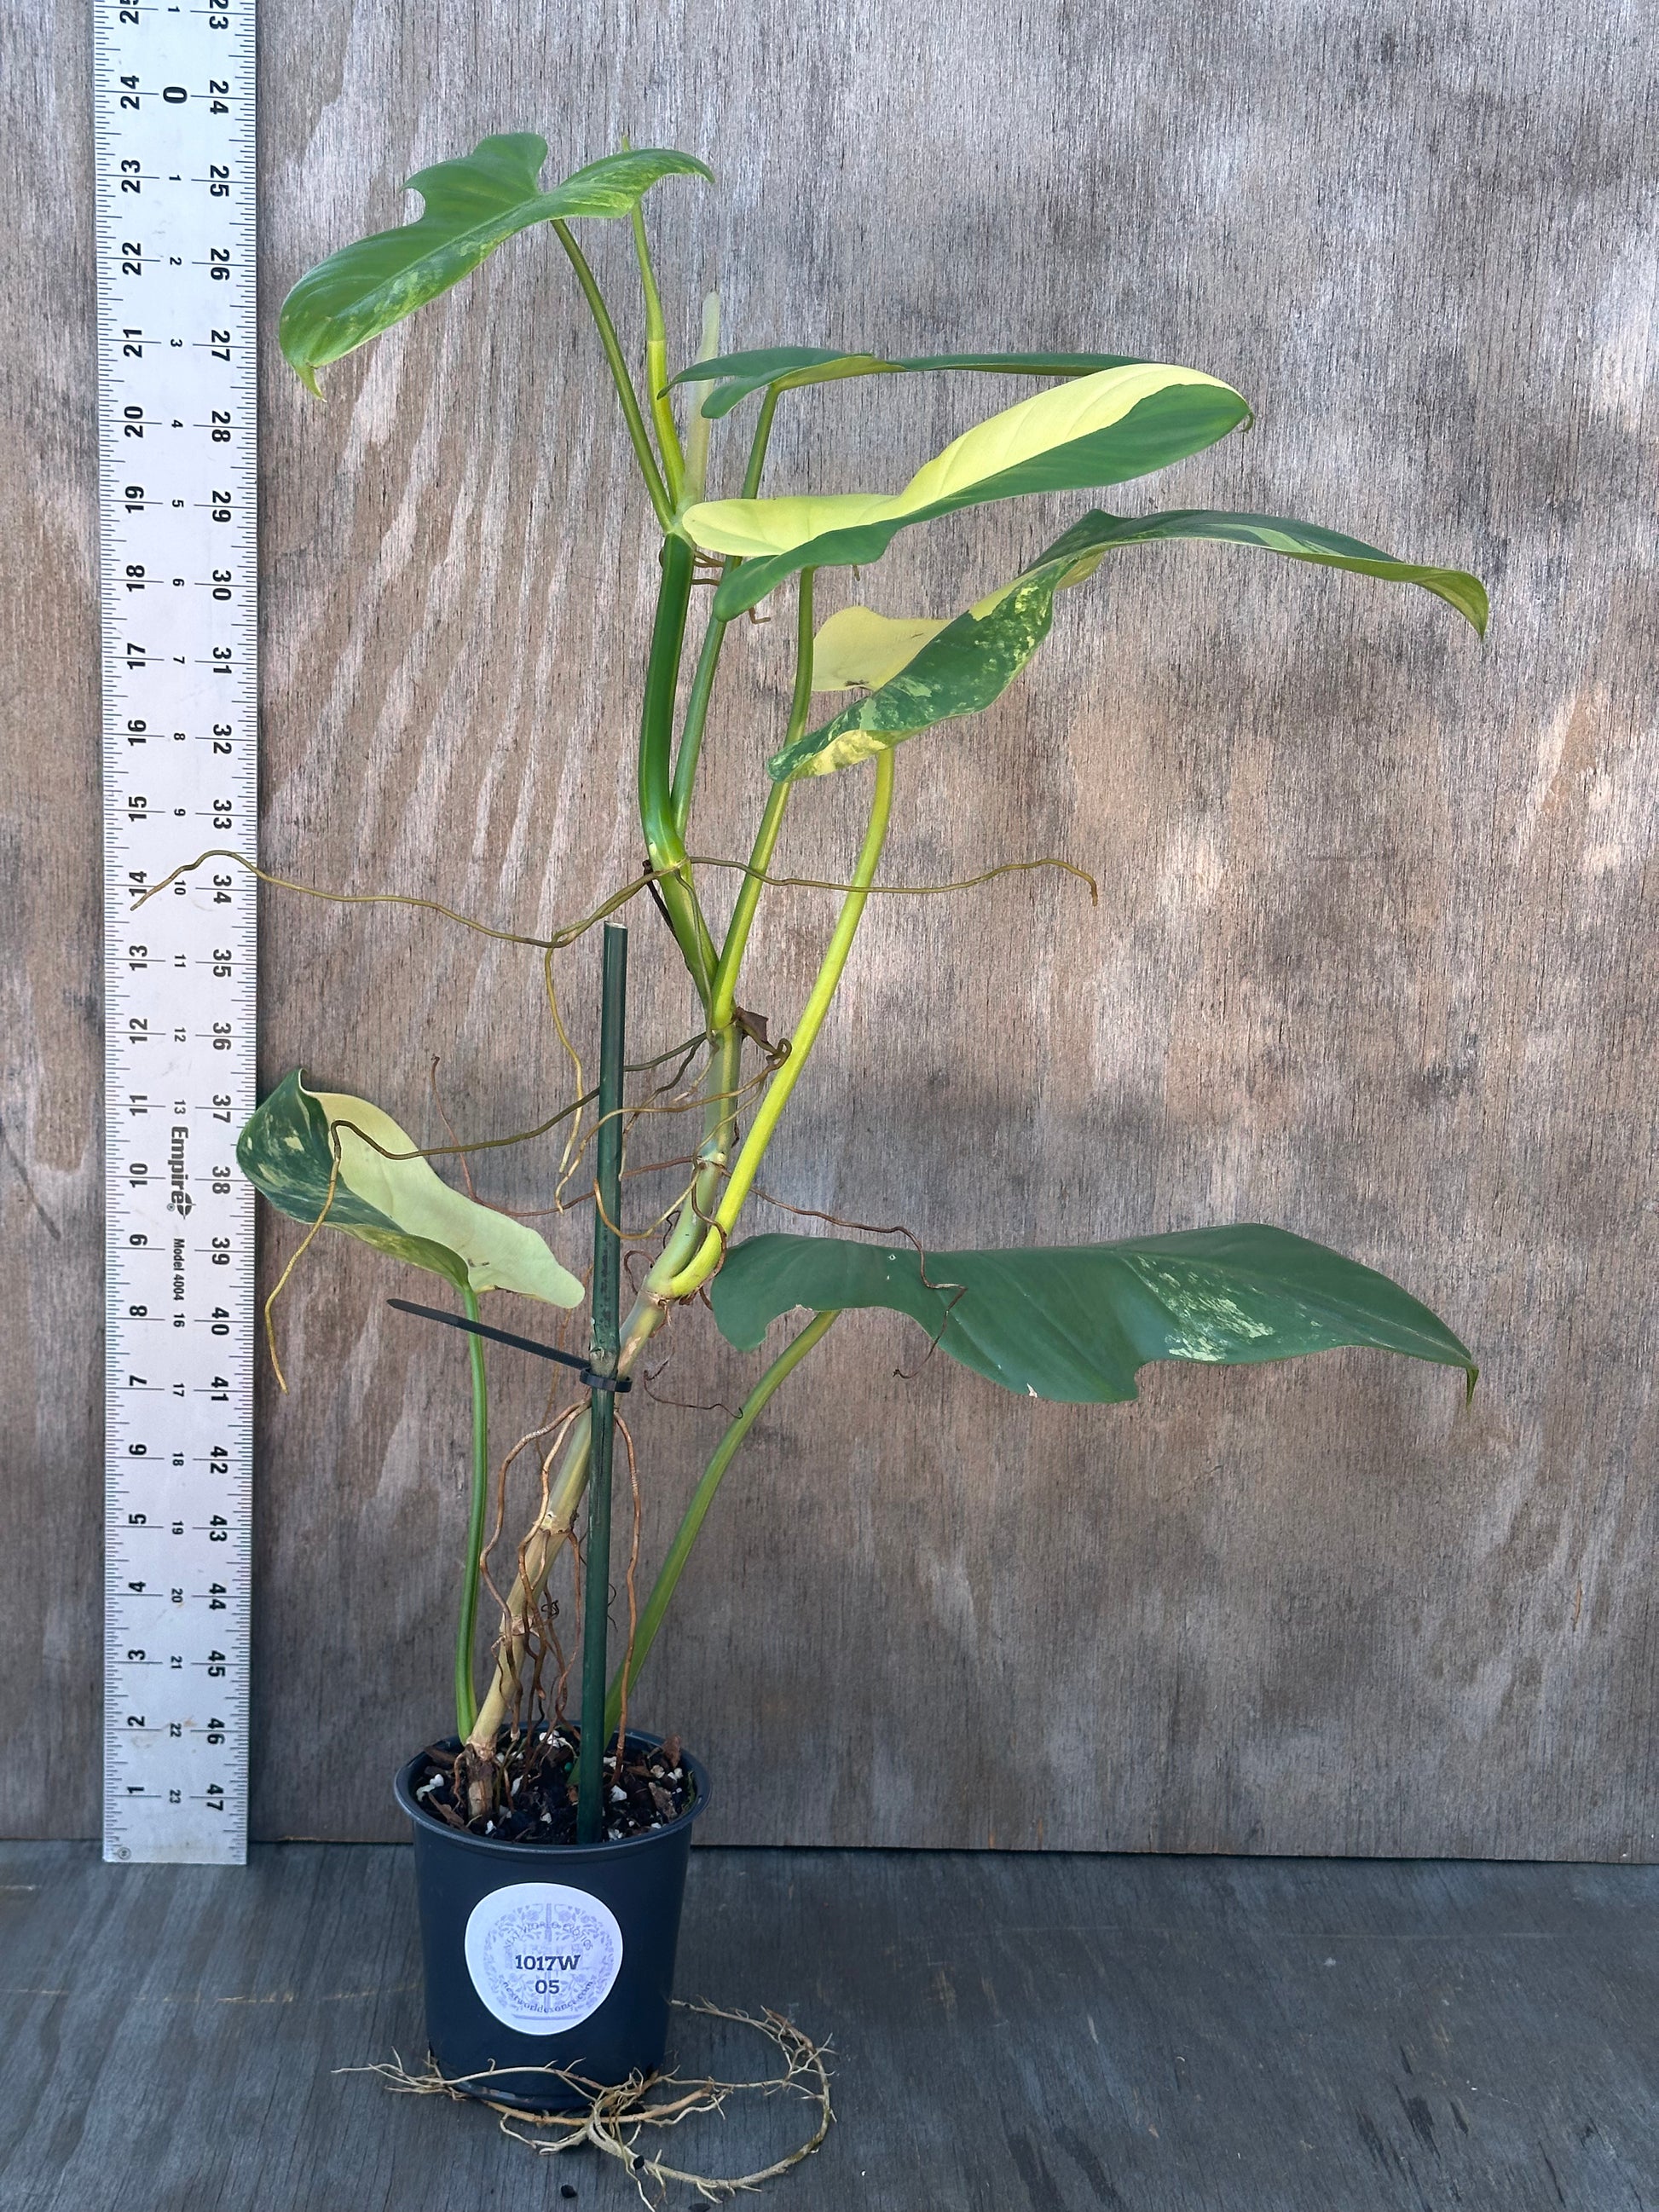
x: 594, y: 1381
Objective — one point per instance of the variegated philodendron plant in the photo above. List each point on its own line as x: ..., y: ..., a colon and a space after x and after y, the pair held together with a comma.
x: 1072, y: 1323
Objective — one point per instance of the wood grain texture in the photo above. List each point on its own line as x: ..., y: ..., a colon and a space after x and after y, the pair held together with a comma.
x: 1064, y: 2032
x: 1374, y: 957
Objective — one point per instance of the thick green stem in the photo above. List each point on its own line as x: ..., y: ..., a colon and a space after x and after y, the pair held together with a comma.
x: 703, y: 682
x: 697, y: 713
x: 663, y: 841
x: 466, y: 1702
x: 747, y: 1164
x: 696, y: 1512
x: 638, y: 436
x: 656, y: 365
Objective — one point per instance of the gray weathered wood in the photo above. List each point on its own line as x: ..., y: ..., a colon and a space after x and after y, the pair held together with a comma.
x: 1374, y: 957
x: 1061, y: 2032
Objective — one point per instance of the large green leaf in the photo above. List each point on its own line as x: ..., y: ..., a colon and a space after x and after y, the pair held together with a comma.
x: 922, y: 673
x: 472, y: 205
x: 735, y: 375
x: 400, y: 1206
x: 1074, y: 1324
x: 1100, y: 429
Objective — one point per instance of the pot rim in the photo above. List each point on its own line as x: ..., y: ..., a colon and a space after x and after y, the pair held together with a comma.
x: 549, y: 1854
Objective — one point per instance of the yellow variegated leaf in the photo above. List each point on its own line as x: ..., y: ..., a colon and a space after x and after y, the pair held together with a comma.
x: 399, y: 1205
x: 1106, y: 429
x: 501, y: 1254
x: 858, y: 648
x: 938, y: 670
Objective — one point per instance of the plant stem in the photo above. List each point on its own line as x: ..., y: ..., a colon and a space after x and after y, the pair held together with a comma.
x: 663, y: 841
x: 723, y: 998
x: 657, y: 394
x: 544, y: 1541
x: 646, y: 1317
x: 638, y: 436
x: 703, y: 1498
x: 664, y: 802
x: 713, y: 637
x: 762, y: 438
x: 602, y: 1404
x: 747, y: 1164
x: 697, y: 438
x: 466, y: 1703
x: 697, y: 713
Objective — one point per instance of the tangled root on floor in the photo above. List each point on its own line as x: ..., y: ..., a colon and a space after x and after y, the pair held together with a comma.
x: 613, y: 2120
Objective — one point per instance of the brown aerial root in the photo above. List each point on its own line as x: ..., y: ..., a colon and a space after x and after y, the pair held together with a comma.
x: 648, y: 880
x: 614, y: 2118
x: 873, y: 1229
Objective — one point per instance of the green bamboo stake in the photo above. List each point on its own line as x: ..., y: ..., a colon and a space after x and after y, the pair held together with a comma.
x: 602, y: 1403
x: 467, y: 1700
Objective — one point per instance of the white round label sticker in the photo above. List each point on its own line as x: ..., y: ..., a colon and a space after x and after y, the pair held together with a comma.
x: 543, y: 1957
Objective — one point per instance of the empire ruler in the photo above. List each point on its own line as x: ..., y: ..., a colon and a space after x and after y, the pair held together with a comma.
x: 175, y: 142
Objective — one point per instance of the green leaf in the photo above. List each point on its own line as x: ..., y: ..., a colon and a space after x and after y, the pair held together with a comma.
x: 737, y: 375
x: 472, y: 205
x: 922, y: 673
x: 1100, y: 429
x: 1097, y: 534
x: 400, y: 1206
x: 1074, y: 1324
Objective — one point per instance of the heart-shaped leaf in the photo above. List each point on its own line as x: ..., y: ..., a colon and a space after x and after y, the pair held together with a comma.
x: 399, y: 1205
x: 921, y: 673
x: 735, y: 375
x: 1074, y: 1324
x: 472, y: 205
x: 1100, y: 429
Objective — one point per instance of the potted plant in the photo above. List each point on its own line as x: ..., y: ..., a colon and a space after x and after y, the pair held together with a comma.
x: 542, y: 1949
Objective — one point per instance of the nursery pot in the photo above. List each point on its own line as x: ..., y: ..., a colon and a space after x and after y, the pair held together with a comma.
x: 548, y: 1954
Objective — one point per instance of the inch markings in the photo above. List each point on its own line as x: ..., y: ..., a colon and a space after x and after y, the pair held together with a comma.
x: 173, y: 111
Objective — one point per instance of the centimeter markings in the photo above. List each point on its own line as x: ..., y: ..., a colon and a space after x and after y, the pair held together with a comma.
x: 174, y: 143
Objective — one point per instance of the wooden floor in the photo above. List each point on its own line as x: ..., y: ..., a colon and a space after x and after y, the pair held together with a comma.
x: 1215, y: 2035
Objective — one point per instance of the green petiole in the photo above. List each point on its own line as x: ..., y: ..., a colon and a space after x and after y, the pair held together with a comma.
x: 696, y: 1512
x: 638, y: 436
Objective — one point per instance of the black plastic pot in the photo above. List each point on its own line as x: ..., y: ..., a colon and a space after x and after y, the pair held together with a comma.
x: 548, y: 1954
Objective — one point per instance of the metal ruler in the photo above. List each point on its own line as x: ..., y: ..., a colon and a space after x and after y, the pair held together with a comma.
x: 173, y: 139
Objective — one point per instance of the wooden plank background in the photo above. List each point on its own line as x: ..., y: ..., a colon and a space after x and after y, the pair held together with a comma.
x: 1374, y: 956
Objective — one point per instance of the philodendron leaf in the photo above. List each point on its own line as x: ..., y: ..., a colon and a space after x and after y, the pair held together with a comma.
x: 735, y: 375
x: 472, y: 205
x: 1100, y: 429
x: 1075, y: 1322
x: 958, y: 669
x: 921, y: 674
x: 400, y: 1206
x: 858, y: 649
